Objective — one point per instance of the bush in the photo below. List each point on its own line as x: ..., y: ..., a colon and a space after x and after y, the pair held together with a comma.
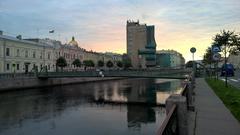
x: 77, y: 63
x: 109, y: 64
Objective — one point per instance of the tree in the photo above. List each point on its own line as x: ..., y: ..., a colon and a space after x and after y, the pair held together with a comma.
x: 77, y: 63
x: 229, y: 42
x: 109, y: 64
x: 119, y: 64
x: 88, y: 63
x: 100, y: 63
x: 207, y: 58
x: 127, y: 63
x: 189, y: 64
x: 91, y: 63
x: 61, y: 62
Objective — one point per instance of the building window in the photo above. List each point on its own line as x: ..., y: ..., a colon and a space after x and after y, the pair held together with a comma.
x: 18, y: 53
x: 40, y: 55
x: 26, y: 53
x: 34, y: 54
x: 7, y: 51
x: 8, y: 67
x: 18, y: 67
x: 49, y: 56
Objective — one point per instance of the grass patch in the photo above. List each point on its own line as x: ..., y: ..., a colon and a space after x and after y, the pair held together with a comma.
x: 230, y: 95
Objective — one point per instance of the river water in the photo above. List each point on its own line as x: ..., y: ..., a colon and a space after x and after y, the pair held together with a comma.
x: 88, y: 109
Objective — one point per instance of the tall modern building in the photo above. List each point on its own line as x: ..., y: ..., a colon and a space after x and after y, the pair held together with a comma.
x: 141, y: 45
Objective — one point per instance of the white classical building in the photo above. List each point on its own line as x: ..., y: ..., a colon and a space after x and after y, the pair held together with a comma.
x: 19, y: 55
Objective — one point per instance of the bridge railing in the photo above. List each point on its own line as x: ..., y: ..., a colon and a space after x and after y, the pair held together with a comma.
x: 16, y: 75
x: 115, y: 73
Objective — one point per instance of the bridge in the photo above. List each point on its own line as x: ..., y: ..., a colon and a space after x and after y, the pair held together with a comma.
x: 164, y: 73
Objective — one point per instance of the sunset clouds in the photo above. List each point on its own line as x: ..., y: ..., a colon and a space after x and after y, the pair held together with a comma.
x: 101, y: 25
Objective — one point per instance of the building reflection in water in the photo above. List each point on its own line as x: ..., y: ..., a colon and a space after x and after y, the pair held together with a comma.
x: 20, y: 108
x: 165, y: 89
x: 138, y: 115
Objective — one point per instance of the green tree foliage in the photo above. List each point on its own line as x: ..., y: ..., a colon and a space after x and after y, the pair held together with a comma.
x: 119, y: 64
x: 61, y: 62
x: 100, y: 63
x: 77, y: 63
x: 88, y: 63
x: 91, y: 63
x: 228, y: 41
x: 207, y: 58
x: 127, y: 63
x: 109, y: 64
x: 189, y: 64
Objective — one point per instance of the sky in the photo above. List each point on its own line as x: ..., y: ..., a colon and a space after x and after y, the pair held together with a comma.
x: 100, y: 25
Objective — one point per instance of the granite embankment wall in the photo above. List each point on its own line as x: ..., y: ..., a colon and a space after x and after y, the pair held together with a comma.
x: 26, y: 83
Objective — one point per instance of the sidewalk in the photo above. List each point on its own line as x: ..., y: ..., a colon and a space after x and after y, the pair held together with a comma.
x: 212, y: 117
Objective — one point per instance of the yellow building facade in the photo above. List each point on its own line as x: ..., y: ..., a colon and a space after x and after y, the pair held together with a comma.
x: 24, y: 55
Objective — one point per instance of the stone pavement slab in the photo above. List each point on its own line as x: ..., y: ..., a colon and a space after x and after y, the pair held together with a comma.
x: 212, y: 116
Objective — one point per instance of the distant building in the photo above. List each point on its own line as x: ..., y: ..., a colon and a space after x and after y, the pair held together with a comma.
x: 235, y: 60
x: 23, y: 55
x: 114, y: 56
x: 141, y: 45
x: 18, y: 55
x: 169, y: 59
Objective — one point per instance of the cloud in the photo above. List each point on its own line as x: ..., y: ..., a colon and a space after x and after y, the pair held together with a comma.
x: 101, y: 25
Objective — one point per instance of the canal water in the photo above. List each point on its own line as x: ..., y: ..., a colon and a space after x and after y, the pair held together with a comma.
x: 88, y: 109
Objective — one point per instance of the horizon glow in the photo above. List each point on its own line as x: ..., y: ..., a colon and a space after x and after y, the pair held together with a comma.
x: 101, y: 25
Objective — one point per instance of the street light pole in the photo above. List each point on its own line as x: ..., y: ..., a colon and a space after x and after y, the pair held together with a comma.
x: 225, y: 65
x: 193, y: 50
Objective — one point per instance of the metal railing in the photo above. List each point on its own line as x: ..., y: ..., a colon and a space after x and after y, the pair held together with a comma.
x: 17, y: 75
x: 118, y: 73
x: 167, y: 73
x: 169, y: 125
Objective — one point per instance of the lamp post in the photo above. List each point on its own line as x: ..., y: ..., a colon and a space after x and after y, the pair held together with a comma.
x: 193, y: 50
x: 225, y: 64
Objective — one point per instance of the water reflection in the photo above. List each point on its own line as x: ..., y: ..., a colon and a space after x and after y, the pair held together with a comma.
x: 137, y: 115
x: 74, y: 110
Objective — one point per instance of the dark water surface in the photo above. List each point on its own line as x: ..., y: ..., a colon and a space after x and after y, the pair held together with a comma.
x: 82, y: 109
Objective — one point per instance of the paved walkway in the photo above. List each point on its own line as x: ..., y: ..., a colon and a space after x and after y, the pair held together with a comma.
x: 212, y: 118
